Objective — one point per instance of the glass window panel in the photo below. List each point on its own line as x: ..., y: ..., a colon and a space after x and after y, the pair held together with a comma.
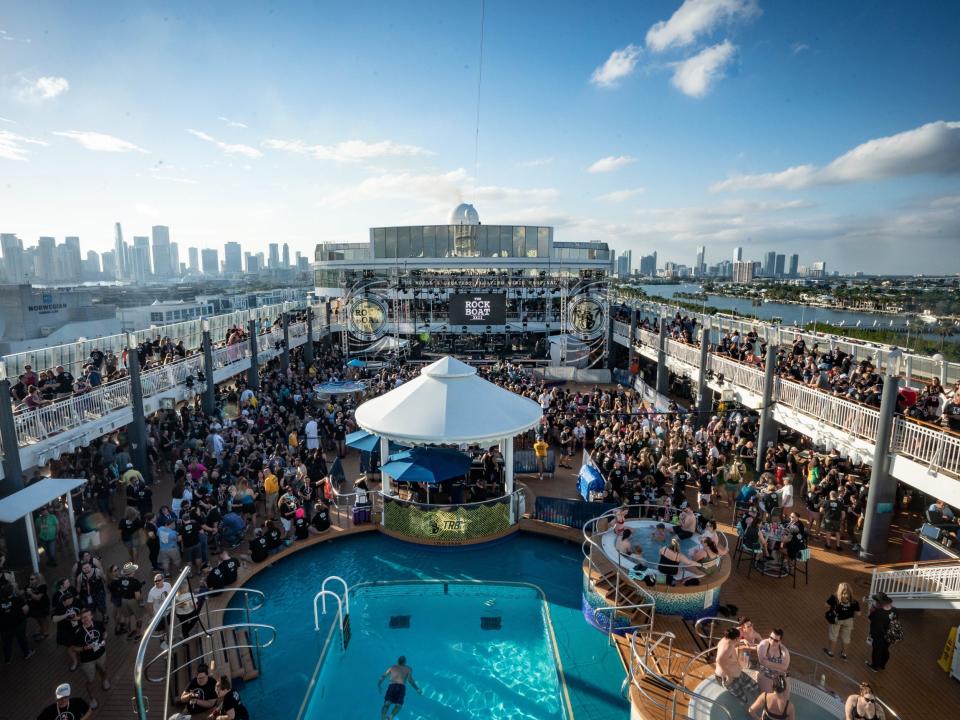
x: 416, y: 242
x: 506, y: 241
x: 391, y: 239
x: 543, y: 242
x: 480, y: 244
x: 429, y: 241
x: 379, y: 242
x: 403, y: 242
x: 444, y: 241
x: 519, y: 244
x: 530, y: 233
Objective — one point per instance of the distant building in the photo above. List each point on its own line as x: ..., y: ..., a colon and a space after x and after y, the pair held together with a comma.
x: 194, y: 256
x: 91, y: 266
x: 13, y: 266
x: 794, y: 269
x: 162, y: 313
x: 121, y: 251
x: 232, y: 258
x: 769, y: 266
x: 778, y: 268
x: 648, y: 265
x: 210, y: 262
x: 742, y: 272
x: 624, y: 262
x: 162, y: 267
x: 175, y: 258
x: 818, y: 269
x: 139, y: 259
x: 45, y: 260
x: 700, y: 268
x: 738, y: 254
x: 109, y: 261
x: 274, y: 262
x: 285, y: 262
x: 40, y: 317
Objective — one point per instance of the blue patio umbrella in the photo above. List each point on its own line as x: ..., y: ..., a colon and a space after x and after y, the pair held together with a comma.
x: 363, y: 441
x: 427, y: 465
x: 356, y: 363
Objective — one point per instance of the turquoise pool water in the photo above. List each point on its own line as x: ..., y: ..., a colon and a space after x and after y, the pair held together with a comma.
x: 481, y: 651
x: 592, y: 670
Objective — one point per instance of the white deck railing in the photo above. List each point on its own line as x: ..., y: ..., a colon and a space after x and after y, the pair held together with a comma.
x: 621, y: 328
x: 935, y: 448
x: 934, y: 582
x: 856, y: 419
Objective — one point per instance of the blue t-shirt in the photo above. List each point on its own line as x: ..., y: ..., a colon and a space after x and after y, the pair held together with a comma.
x: 167, y: 537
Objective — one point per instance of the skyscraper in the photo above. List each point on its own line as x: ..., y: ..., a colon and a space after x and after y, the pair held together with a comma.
x: 779, y: 265
x: 624, y: 263
x: 71, y: 260
x: 742, y: 272
x: 232, y: 258
x: 194, y: 256
x: 253, y: 263
x: 648, y: 265
x: 120, y: 251
x: 175, y: 258
x: 770, y: 264
x: 162, y: 268
x: 12, y: 247
x: 794, y: 265
x: 210, y: 261
x: 45, y: 262
x: 274, y: 261
x: 286, y: 256
x: 738, y: 254
x: 109, y: 261
x: 139, y: 260
x: 700, y: 269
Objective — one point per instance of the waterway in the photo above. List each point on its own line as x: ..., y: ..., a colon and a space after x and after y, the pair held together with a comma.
x: 789, y: 313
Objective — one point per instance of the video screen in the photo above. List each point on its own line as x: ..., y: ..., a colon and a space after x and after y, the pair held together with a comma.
x: 478, y: 309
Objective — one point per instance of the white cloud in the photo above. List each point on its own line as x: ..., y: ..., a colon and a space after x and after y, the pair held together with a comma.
x: 228, y: 148
x: 12, y: 145
x: 619, y: 65
x: 4, y: 35
x: 799, y: 47
x: 931, y: 149
x: 444, y: 190
x: 536, y: 162
x: 233, y: 123
x: 8, y: 120
x: 611, y: 163
x: 621, y: 195
x: 696, y: 18
x: 100, y: 141
x: 696, y: 74
x: 349, y: 150
x: 41, y: 89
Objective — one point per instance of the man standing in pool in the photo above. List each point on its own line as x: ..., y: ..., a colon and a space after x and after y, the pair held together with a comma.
x: 399, y: 675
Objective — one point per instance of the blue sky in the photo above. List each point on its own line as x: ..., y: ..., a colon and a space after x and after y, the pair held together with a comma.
x: 823, y: 128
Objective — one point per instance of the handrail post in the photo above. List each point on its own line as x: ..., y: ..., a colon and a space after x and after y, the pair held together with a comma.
x: 285, y: 354
x: 253, y: 374
x: 138, y: 439
x: 663, y: 373
x: 704, y: 399
x: 209, y: 393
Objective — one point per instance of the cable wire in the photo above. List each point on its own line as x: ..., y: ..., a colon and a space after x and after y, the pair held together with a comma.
x: 476, y: 139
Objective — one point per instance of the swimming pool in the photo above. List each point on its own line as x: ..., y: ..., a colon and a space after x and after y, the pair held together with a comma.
x: 591, y: 668
x: 477, y: 650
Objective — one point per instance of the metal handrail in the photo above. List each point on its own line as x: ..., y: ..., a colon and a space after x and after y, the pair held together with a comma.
x: 346, y: 590
x: 666, y: 682
x: 501, y: 498
x: 817, y: 674
x: 211, y: 651
x: 589, y: 530
x: 169, y: 605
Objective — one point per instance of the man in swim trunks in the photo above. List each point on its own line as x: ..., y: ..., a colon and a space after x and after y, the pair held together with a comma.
x: 399, y: 675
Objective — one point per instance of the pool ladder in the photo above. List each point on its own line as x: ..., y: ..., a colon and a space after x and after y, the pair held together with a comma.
x: 343, y: 606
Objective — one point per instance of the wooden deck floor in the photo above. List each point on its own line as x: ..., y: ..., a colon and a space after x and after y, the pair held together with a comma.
x: 912, y: 683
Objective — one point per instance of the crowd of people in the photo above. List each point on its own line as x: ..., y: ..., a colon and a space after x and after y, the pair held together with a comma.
x: 254, y: 478
x: 827, y: 369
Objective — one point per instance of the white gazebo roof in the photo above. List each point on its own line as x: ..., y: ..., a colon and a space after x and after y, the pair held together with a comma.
x: 448, y: 404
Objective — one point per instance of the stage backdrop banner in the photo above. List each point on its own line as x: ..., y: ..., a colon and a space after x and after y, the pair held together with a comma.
x: 478, y: 309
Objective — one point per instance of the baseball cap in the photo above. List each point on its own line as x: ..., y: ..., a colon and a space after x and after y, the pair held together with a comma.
x: 63, y: 691
x: 129, y: 465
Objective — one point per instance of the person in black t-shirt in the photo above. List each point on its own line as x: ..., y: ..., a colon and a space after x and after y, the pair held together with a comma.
x: 189, y: 531
x: 128, y: 588
x: 321, y: 518
x: 13, y: 622
x: 90, y: 644
x: 230, y: 706
x: 259, y: 546
x: 66, y: 707
x: 301, y: 526
x: 201, y: 693
x: 224, y: 574
x: 274, y: 536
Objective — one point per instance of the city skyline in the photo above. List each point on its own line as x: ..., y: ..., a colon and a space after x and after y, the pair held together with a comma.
x: 775, y: 125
